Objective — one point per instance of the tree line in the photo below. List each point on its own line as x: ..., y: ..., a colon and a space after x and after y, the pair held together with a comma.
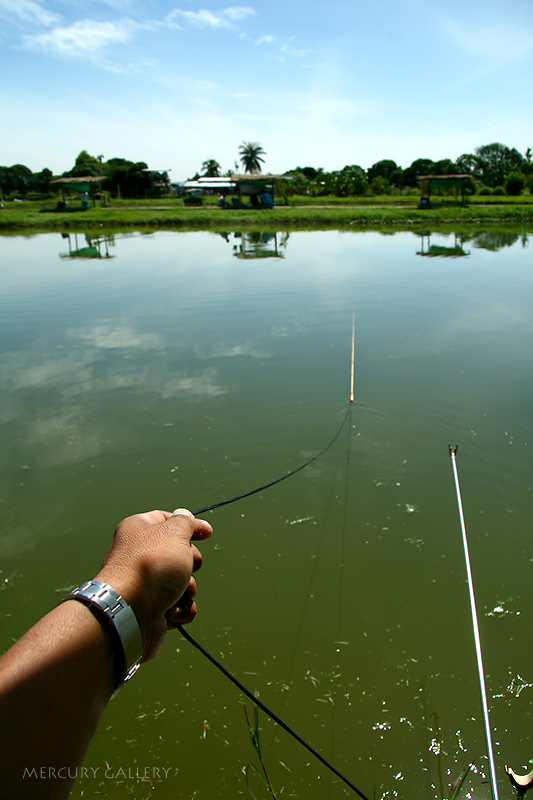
x: 493, y: 169
x: 122, y: 178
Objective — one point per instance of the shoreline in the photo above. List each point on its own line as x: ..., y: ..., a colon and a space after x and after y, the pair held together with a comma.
x: 27, y: 217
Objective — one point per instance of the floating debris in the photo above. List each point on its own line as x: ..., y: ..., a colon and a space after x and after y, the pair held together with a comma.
x: 414, y: 540
x: 517, y: 685
x: 5, y: 581
x: 382, y: 726
x: 499, y: 609
x: 434, y: 747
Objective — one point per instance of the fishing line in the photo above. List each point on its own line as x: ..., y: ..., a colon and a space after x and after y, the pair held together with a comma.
x: 267, y: 711
x: 302, y: 466
x: 481, y: 674
x: 214, y: 661
x: 277, y: 480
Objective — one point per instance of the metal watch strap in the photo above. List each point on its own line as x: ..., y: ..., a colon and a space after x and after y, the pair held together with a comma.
x: 121, y: 618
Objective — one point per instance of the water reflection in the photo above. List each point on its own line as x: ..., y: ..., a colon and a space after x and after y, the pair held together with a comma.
x: 439, y: 250
x: 93, y: 245
x: 183, y: 376
x: 497, y: 239
x: 256, y: 244
x: 273, y: 244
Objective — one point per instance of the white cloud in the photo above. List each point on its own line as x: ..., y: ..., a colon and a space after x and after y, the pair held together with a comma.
x: 85, y: 37
x: 109, y: 337
x: 287, y: 50
x: 226, y: 350
x: 268, y: 39
x: 237, y: 13
x: 204, y: 18
x: 27, y: 11
x: 201, y: 386
x: 489, y: 41
x: 119, y: 4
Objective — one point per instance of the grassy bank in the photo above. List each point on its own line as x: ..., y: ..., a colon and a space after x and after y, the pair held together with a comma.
x: 26, y: 217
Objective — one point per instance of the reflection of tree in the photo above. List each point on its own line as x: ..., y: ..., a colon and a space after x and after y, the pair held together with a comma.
x: 494, y: 240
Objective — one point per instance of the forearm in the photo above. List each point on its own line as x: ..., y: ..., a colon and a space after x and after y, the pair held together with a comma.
x: 56, y: 681
x: 59, y: 675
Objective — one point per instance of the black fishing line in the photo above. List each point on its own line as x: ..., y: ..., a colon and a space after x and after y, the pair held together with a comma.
x: 277, y: 480
x: 228, y: 674
x: 267, y: 711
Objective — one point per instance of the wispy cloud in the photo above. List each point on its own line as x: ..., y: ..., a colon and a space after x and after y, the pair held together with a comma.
x: 228, y: 350
x: 284, y: 49
x: 85, y: 37
x: 27, y: 12
x: 204, y: 18
x: 112, y: 336
x: 287, y: 50
x: 91, y: 38
x: 489, y: 41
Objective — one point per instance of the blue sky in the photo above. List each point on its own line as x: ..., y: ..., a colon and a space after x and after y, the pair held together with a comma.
x: 323, y: 84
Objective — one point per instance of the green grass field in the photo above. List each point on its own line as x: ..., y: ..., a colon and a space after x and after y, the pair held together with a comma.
x: 301, y: 212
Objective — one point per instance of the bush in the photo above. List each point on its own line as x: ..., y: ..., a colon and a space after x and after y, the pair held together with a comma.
x: 515, y: 183
x: 499, y: 190
x: 485, y: 190
x: 351, y: 181
x: 379, y: 185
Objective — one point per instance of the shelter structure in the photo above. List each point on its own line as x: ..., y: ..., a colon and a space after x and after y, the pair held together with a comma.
x: 82, y: 185
x: 429, y: 182
x: 259, y: 188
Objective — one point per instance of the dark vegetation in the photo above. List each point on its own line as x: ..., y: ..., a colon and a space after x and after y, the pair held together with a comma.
x: 123, y: 178
x: 499, y: 191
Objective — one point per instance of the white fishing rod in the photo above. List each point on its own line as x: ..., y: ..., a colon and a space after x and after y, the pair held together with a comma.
x: 481, y: 674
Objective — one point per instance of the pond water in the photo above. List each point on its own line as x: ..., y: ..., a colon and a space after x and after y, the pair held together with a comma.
x: 155, y: 370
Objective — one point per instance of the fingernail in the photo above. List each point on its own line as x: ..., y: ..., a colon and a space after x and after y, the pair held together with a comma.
x: 182, y: 512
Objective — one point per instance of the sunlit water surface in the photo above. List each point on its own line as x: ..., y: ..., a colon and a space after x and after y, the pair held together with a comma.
x: 185, y: 368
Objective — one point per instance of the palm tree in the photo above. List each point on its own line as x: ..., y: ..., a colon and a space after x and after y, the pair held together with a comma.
x: 251, y: 153
x: 211, y: 168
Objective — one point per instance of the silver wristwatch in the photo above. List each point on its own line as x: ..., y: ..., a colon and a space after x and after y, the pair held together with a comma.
x: 122, y: 621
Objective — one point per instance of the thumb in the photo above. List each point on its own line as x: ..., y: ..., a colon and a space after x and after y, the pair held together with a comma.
x: 200, y: 528
x: 183, y: 523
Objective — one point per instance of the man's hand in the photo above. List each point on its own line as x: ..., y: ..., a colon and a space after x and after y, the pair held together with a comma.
x: 150, y: 564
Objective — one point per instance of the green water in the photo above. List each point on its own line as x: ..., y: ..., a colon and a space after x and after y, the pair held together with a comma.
x: 185, y: 368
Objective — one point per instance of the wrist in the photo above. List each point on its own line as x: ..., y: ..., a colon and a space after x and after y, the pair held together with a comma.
x: 125, y: 583
x: 113, y: 612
